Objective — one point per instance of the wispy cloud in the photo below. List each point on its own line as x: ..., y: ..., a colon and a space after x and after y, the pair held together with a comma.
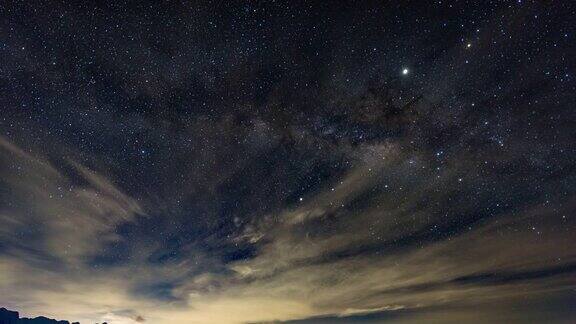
x: 372, y: 253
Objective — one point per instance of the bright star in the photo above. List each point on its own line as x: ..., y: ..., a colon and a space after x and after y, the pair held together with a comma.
x: 405, y: 71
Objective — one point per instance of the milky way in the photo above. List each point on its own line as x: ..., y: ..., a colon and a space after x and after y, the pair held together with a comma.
x: 292, y: 162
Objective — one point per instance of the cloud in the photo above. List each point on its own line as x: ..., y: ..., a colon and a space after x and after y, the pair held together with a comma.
x: 346, y: 250
x: 68, y: 214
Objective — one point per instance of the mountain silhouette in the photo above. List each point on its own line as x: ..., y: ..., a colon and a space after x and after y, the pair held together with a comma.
x: 12, y: 317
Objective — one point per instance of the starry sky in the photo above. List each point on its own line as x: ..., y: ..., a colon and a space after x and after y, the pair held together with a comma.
x: 288, y: 161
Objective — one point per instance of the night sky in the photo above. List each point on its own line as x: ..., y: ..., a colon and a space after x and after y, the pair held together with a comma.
x: 300, y: 162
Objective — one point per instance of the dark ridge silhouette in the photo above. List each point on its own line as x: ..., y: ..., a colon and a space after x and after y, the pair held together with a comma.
x: 12, y: 317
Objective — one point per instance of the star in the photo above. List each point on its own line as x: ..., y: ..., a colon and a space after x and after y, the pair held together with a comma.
x: 405, y: 71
